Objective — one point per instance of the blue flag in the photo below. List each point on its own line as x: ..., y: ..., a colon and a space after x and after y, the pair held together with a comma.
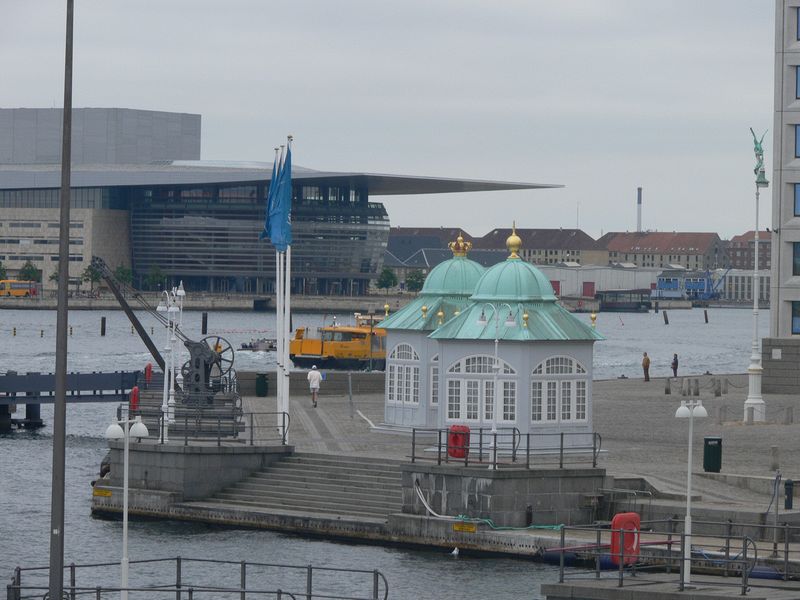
x: 273, y: 184
x: 279, y: 227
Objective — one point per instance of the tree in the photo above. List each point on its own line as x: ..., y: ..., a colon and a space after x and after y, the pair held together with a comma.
x: 123, y: 274
x: 2, y: 271
x: 30, y: 273
x: 387, y: 279
x: 154, y: 277
x: 92, y: 275
x: 414, y: 280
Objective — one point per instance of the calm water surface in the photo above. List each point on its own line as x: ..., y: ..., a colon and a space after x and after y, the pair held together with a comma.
x: 722, y: 346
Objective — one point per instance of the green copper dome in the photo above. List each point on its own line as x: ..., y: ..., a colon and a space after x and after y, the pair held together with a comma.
x: 455, y: 276
x: 513, y: 281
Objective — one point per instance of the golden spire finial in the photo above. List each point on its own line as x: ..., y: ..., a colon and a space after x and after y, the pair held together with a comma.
x: 460, y: 247
x: 513, y: 243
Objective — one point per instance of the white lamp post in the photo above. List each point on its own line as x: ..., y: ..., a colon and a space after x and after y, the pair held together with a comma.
x: 172, y: 305
x: 118, y: 430
x: 690, y: 410
x: 509, y: 322
x: 754, y: 399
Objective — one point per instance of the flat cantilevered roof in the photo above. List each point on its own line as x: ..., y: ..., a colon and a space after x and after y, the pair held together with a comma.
x: 186, y: 172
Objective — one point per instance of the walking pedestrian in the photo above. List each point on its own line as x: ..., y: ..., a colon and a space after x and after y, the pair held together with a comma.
x: 646, y: 366
x: 314, y: 377
x: 674, y: 365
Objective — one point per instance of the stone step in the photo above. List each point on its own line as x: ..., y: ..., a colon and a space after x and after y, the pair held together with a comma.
x: 305, y: 496
x: 328, y: 458
x: 330, y: 491
x: 290, y: 479
x: 372, y: 468
x: 323, y: 475
x: 309, y: 506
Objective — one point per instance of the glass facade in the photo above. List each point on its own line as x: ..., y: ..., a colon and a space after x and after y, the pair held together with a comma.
x: 795, y: 317
x: 795, y: 259
x: 208, y: 236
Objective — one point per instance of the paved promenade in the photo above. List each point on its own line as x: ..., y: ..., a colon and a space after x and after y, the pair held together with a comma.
x: 641, y: 435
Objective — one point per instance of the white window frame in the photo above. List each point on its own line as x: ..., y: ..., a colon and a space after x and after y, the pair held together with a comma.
x: 435, y: 380
x: 559, y: 392
x: 472, y: 378
x: 402, y: 376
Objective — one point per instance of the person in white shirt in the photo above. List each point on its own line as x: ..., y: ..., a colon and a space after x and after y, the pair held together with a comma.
x: 314, y: 377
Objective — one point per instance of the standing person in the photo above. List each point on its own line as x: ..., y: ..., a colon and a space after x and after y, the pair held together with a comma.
x: 314, y: 377
x: 674, y: 365
x: 646, y: 366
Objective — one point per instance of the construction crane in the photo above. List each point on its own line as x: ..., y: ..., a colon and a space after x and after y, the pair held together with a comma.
x: 210, y: 359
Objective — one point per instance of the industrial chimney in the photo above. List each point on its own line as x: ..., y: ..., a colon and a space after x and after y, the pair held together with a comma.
x: 639, y: 209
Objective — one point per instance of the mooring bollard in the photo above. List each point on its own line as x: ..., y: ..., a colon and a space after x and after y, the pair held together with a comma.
x: 666, y: 318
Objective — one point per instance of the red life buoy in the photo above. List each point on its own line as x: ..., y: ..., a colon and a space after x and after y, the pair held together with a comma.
x: 625, y: 537
x: 135, y: 397
x: 148, y: 373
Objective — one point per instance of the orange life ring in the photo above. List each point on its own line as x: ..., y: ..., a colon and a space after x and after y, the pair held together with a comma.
x: 625, y: 529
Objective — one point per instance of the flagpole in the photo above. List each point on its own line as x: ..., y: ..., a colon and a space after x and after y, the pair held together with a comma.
x: 279, y: 336
x: 288, y: 303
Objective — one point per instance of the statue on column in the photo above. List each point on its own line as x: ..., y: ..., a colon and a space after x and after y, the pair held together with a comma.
x: 758, y: 148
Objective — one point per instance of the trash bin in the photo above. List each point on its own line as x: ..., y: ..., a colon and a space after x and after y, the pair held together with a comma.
x: 458, y: 441
x: 712, y: 454
x: 261, y: 385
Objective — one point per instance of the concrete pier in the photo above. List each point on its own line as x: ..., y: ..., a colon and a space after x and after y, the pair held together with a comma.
x: 349, y: 479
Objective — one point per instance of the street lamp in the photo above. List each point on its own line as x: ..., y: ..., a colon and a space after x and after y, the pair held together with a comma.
x: 690, y: 410
x: 509, y: 322
x: 118, y: 430
x: 172, y: 304
x: 754, y: 399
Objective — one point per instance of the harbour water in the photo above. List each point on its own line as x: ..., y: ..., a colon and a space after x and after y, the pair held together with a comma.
x: 721, y: 346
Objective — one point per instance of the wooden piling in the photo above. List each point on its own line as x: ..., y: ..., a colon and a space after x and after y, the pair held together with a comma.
x: 666, y: 318
x: 204, y: 324
x: 705, y: 314
x: 102, y: 326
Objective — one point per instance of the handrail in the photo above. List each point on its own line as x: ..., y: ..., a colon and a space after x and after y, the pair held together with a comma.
x: 182, y: 587
x: 502, y: 447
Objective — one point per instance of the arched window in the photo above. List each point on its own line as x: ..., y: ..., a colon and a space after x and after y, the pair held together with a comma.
x: 435, y: 380
x: 559, y: 391
x: 402, y: 375
x: 470, y: 390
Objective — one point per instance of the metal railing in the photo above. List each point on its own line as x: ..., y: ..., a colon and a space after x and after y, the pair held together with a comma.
x: 173, y: 578
x: 251, y: 428
x: 665, y: 556
x: 506, y: 447
x: 729, y: 558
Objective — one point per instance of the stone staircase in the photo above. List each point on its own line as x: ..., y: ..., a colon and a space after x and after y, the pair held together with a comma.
x: 351, y: 486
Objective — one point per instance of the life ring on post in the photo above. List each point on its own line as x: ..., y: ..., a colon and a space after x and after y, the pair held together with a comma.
x: 625, y: 528
x: 135, y: 398
x: 148, y: 373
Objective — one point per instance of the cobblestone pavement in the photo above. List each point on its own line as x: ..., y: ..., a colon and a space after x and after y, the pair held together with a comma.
x: 636, y: 420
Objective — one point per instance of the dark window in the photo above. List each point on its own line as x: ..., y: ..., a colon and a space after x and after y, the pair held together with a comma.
x: 796, y: 258
x: 795, y: 317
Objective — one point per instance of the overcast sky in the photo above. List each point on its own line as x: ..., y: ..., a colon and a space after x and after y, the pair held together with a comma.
x: 601, y: 96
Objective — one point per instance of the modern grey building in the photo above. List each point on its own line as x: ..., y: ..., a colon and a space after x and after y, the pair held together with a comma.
x: 781, y: 351
x: 142, y: 198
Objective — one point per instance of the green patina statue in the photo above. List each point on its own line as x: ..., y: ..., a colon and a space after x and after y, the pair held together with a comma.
x: 758, y: 148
